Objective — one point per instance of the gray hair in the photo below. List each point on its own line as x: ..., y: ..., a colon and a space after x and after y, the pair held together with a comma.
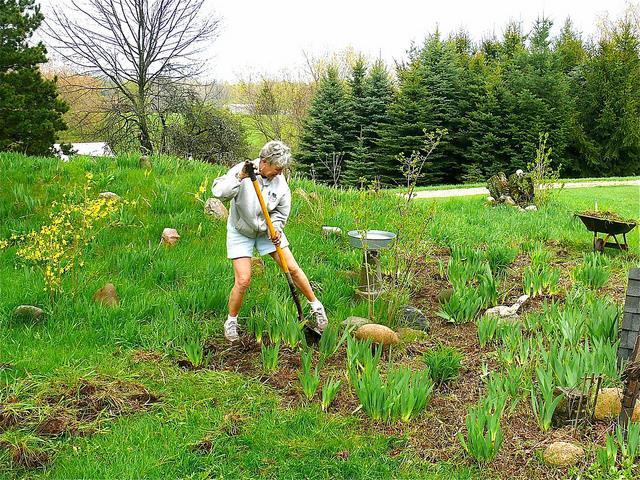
x: 276, y: 153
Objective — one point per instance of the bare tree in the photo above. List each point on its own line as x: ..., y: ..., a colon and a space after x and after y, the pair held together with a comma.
x: 333, y: 164
x: 133, y: 45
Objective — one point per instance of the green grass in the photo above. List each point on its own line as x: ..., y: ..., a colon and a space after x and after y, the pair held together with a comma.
x: 168, y: 294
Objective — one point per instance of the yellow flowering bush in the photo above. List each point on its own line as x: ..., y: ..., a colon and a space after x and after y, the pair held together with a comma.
x: 57, y: 247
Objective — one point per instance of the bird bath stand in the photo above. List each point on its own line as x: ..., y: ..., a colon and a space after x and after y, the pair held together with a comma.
x: 370, y: 284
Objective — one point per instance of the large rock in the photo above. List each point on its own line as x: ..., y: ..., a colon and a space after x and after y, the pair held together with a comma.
x: 563, y: 454
x: 413, y: 317
x: 609, y: 405
x: 109, y: 196
x: 170, y: 236
x: 107, y: 296
x: 377, y: 334
x: 355, y: 322
x: 27, y: 312
x: 214, y: 207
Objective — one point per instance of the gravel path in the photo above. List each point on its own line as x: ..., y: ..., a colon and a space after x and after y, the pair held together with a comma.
x: 464, y: 192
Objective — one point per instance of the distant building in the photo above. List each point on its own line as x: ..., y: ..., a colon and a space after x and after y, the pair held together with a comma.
x: 91, y: 149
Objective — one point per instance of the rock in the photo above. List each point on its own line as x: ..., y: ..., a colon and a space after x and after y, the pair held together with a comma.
x: 563, y: 454
x: 444, y: 295
x: 109, y: 196
x: 509, y: 201
x: 377, y: 334
x: 408, y: 336
x: 413, y: 317
x: 214, y: 207
x: 27, y: 312
x: 505, y: 311
x: 491, y: 201
x: 107, y: 296
x: 356, y: 322
x: 145, y: 162
x: 531, y: 208
x: 609, y: 405
x: 170, y: 236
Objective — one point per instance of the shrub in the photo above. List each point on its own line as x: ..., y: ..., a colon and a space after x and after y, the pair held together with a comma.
x: 444, y: 363
x: 540, y: 280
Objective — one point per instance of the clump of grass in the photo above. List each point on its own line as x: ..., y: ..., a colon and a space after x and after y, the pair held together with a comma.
x: 194, y: 351
x: 544, y: 405
x: 462, y: 306
x: 593, y: 272
x: 309, y: 378
x: 269, y: 355
x: 539, y: 280
x: 484, y: 432
x: 444, y: 363
x: 329, y: 392
x: 487, y: 329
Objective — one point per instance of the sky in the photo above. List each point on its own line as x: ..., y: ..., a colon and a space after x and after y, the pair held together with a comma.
x: 269, y: 37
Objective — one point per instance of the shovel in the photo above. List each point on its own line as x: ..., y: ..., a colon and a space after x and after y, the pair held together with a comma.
x: 312, y: 334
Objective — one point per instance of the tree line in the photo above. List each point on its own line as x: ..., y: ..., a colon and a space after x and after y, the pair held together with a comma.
x: 494, y: 99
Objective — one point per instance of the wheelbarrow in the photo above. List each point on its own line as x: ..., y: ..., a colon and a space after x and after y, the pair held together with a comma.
x: 609, y: 228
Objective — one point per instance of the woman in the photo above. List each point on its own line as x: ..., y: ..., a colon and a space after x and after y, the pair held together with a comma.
x: 247, y: 227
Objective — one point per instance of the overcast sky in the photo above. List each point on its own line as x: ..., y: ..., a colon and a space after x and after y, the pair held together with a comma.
x: 267, y: 37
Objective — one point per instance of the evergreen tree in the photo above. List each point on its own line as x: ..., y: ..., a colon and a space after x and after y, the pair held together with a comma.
x: 430, y: 97
x: 377, y: 95
x: 355, y: 167
x: 30, y: 111
x: 609, y: 104
x: 328, y: 129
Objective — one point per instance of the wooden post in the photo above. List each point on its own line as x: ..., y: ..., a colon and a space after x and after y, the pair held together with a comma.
x: 631, y: 377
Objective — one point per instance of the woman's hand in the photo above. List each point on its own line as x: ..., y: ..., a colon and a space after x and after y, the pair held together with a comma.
x: 276, y: 239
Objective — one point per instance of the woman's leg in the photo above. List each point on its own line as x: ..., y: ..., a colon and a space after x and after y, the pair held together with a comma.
x: 242, y: 274
x: 299, y: 278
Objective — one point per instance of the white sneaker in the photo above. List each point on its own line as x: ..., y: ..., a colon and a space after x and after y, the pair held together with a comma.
x: 321, y: 317
x: 231, y: 330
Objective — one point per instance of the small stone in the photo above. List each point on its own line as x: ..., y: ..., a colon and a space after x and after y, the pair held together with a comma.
x: 563, y: 454
x: 214, y: 207
x: 355, y: 322
x: 107, y: 296
x: 531, y: 208
x: 491, y: 201
x: 413, y: 317
x: 609, y: 405
x: 170, y: 236
x: 444, y: 295
x: 145, y: 162
x: 377, y: 334
x: 27, y: 312
x: 109, y: 196
x: 509, y: 201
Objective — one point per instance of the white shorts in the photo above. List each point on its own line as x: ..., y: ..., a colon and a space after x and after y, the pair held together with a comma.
x: 239, y: 245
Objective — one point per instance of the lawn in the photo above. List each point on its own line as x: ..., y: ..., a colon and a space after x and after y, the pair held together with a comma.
x: 127, y: 403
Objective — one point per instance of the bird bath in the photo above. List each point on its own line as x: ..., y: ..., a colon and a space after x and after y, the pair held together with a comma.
x: 370, y: 285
